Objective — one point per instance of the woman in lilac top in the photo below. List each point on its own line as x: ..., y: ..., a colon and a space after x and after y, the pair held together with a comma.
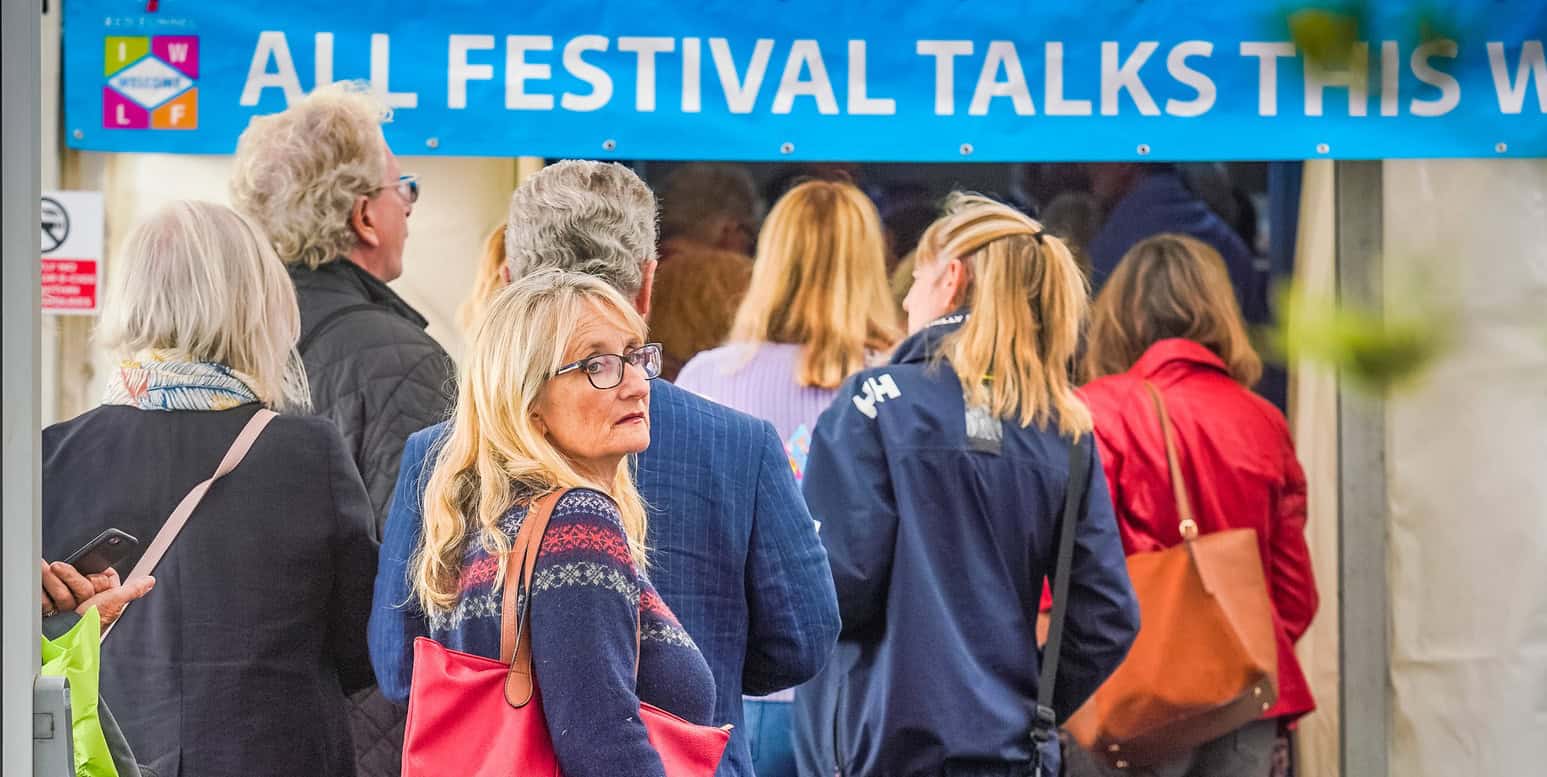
x: 818, y: 310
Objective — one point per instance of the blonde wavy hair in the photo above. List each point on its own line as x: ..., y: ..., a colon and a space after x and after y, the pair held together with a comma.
x: 820, y: 282
x: 1027, y: 299
x: 298, y: 172
x: 489, y: 282
x: 1169, y: 286
x: 495, y: 455
x: 200, y: 281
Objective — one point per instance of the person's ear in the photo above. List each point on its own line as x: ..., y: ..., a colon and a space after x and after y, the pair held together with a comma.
x: 646, y: 288
x: 955, y: 276
x: 360, y: 221
x: 537, y: 423
x: 504, y: 274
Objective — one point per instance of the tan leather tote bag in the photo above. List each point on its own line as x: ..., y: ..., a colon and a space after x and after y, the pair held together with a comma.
x: 1205, y: 662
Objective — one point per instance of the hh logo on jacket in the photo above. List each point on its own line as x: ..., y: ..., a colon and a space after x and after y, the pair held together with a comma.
x: 876, y: 391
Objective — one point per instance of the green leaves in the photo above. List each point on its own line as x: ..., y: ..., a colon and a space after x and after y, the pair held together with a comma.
x: 1378, y: 352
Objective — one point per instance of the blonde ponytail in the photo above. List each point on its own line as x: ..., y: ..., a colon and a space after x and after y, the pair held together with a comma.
x: 1027, y: 299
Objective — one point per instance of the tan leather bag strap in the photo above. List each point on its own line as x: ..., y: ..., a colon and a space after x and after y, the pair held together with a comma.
x: 515, y: 636
x: 1188, y: 526
x: 174, y: 524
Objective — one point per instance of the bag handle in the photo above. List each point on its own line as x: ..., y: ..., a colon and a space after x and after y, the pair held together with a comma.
x: 1188, y: 526
x: 1045, y: 727
x: 174, y: 524
x: 515, y: 637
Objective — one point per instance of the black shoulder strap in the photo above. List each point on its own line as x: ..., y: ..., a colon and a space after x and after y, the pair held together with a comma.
x: 328, y: 321
x: 1074, y: 499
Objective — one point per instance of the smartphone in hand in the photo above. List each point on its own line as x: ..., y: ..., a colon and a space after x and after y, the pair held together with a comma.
x: 107, y: 549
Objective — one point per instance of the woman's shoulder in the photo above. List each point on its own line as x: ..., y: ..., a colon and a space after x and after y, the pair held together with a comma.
x: 586, y: 506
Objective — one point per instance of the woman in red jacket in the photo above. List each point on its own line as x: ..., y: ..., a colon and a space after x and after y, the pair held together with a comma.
x: 1168, y: 317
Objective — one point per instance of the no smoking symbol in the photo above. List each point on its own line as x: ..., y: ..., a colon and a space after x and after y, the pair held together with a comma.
x: 56, y: 225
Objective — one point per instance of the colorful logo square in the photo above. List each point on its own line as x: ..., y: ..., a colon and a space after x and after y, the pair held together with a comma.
x: 151, y: 82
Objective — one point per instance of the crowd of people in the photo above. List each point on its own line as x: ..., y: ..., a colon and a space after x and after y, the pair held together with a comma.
x: 773, y: 498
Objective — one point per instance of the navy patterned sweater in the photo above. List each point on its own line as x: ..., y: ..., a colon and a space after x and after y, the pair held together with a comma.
x: 586, y: 593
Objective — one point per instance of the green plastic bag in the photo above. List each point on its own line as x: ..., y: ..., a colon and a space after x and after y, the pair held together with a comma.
x: 77, y: 657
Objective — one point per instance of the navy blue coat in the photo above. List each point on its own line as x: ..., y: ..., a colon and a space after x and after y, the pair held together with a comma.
x: 939, y: 543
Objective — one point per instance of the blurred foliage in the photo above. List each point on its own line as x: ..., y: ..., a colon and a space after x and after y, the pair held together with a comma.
x: 1378, y: 351
x: 1326, y: 36
x: 1326, y: 32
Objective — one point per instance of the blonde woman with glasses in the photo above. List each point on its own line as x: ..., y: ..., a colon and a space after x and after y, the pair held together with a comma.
x: 817, y: 312
x: 555, y: 396
x: 240, y: 661
x: 939, y: 481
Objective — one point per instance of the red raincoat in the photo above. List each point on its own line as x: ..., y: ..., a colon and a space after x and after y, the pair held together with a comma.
x: 1239, y: 464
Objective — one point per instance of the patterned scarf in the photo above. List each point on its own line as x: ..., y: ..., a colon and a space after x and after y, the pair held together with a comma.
x: 159, y: 380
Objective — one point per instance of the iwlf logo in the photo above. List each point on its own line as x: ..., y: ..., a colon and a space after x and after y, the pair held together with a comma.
x: 151, y: 83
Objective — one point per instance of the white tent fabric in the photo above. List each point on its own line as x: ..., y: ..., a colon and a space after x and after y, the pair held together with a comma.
x: 1467, y: 469
x: 1313, y: 413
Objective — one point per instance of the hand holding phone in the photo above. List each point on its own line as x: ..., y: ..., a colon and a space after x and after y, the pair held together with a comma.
x: 107, y: 549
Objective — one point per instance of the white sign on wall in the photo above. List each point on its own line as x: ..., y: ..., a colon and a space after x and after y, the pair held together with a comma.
x: 71, y: 233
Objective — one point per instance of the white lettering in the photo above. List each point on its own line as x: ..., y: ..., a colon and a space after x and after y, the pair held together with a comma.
x: 1319, y: 79
x: 177, y: 52
x: 381, y: 65
x: 644, y: 76
x: 1268, y: 54
x: 1176, y: 65
x: 859, y: 103
x: 1512, y: 94
x: 271, y: 45
x: 1390, y: 78
x: 459, y: 71
x: 692, y: 67
x: 876, y: 391
x: 805, y: 54
x: 601, y: 83
x: 179, y: 110
x: 1450, y: 88
x: 1118, y: 78
x: 322, y: 67
x: 740, y: 93
x: 1001, y: 54
x: 518, y: 71
x: 945, y: 53
x: 120, y: 116
x: 1053, y: 54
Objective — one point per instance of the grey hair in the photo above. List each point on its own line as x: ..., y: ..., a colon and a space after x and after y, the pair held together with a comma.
x: 595, y: 218
x: 202, y: 281
x: 696, y: 196
x: 299, y: 172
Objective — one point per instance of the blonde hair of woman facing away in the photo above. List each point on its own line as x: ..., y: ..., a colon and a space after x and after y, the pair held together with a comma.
x: 500, y: 450
x: 820, y: 281
x: 1168, y: 286
x: 492, y: 277
x: 196, y: 281
x: 1024, y: 297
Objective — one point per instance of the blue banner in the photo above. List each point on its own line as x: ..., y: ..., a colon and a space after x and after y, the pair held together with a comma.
x: 922, y: 81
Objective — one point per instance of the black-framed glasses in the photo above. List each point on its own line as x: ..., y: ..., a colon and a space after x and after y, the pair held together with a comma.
x: 605, y: 370
x: 407, y: 187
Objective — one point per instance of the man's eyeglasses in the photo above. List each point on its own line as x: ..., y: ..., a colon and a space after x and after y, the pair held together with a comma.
x: 407, y: 187
x: 605, y: 370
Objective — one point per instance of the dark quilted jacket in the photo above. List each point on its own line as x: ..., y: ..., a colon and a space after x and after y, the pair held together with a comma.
x: 377, y: 374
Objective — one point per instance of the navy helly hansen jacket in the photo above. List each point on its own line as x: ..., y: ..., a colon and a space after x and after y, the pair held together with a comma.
x: 940, y: 527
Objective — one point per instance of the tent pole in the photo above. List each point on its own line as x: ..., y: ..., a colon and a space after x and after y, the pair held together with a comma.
x: 19, y: 520
x: 1363, y: 516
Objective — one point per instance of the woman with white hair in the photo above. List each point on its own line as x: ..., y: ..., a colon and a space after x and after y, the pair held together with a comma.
x: 240, y: 662
x: 553, y: 400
